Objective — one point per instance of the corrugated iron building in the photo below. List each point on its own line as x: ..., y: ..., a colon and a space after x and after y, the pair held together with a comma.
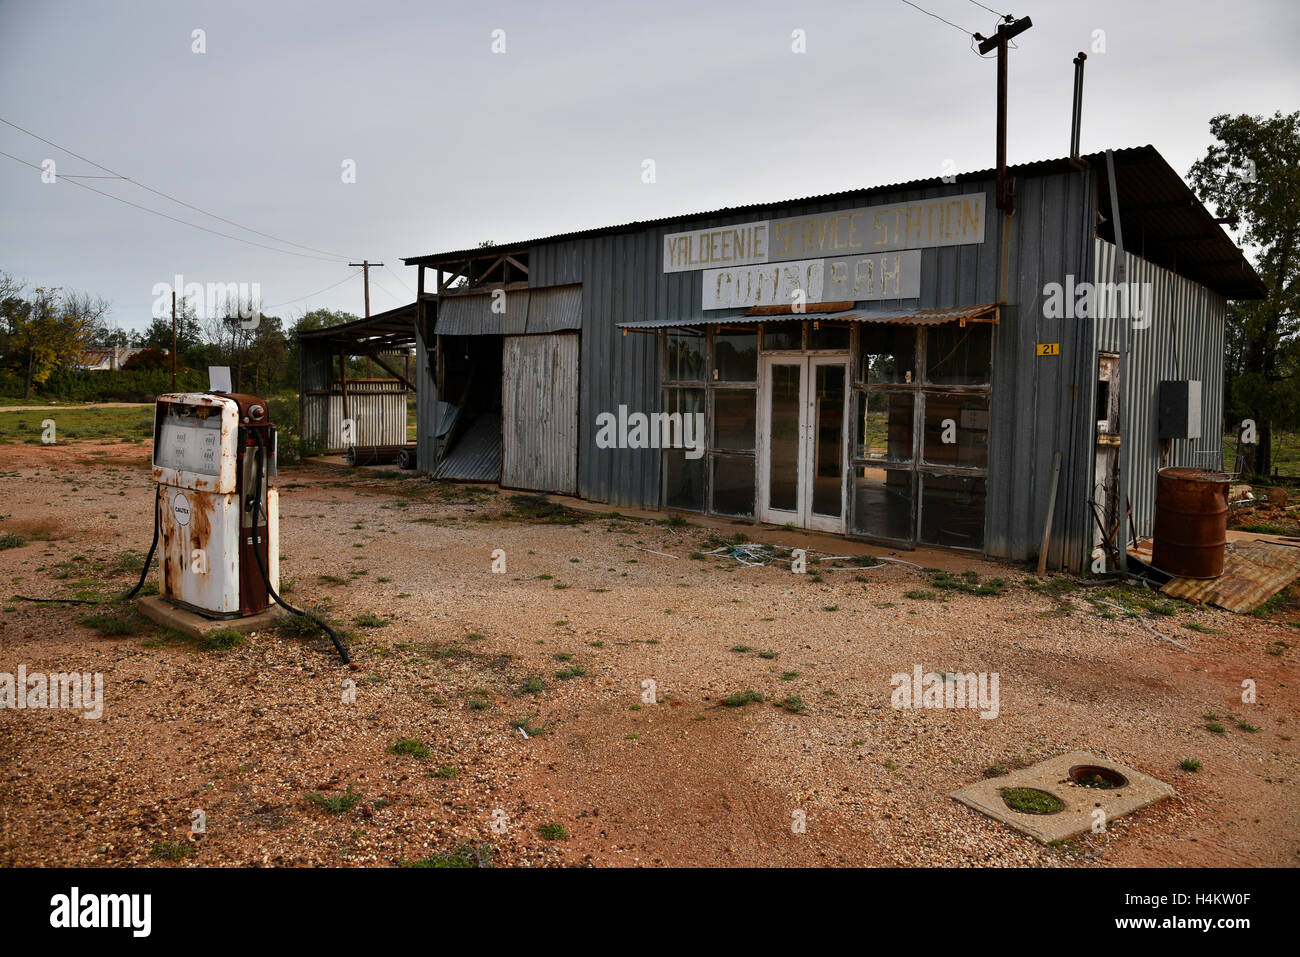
x: 901, y: 363
x: 374, y: 408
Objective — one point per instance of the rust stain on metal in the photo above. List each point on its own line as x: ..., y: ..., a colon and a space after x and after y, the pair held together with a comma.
x: 1253, y: 572
x: 1191, y: 526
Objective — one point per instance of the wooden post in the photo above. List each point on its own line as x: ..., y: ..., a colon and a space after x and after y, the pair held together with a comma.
x: 343, y: 386
x: 1051, y: 513
x: 173, y: 340
x: 365, y: 265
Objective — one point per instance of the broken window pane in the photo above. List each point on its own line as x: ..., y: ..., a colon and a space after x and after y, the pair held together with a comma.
x: 683, y: 481
x: 734, y: 419
x: 952, y: 511
x: 828, y: 448
x: 824, y: 335
x: 683, y: 400
x: 888, y: 353
x: 956, y: 430
x: 959, y: 356
x: 735, y: 356
x: 683, y: 477
x: 882, y: 502
x: 884, y: 426
x: 784, y: 437
x: 733, y: 485
x: 782, y: 336
x: 684, y: 357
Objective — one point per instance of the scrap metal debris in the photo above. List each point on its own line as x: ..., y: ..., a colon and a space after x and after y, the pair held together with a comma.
x: 1253, y: 572
x: 759, y: 554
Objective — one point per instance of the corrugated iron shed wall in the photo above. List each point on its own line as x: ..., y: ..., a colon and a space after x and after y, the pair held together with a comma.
x: 1034, y: 412
x: 539, y: 424
x: 1184, y: 340
x: 377, y: 407
x: 314, y: 375
x: 426, y: 402
x: 555, y: 309
x: 474, y: 316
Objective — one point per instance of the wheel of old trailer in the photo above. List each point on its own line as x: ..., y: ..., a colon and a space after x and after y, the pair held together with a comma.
x: 406, y: 458
x: 352, y: 455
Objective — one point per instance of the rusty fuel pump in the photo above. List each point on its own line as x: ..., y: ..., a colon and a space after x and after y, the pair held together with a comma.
x: 216, y: 509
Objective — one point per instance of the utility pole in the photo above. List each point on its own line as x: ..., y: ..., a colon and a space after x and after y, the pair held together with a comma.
x: 365, y: 265
x: 1006, y: 31
x: 173, y: 340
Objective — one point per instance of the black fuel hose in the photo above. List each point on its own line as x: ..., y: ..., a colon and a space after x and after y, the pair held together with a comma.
x: 144, y: 572
x: 261, y: 562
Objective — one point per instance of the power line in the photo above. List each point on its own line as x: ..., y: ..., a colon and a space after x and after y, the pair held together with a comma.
x: 1004, y: 16
x: 384, y: 290
x: 183, y: 222
x: 289, y: 302
x: 400, y: 279
x: 937, y: 17
x: 229, y: 222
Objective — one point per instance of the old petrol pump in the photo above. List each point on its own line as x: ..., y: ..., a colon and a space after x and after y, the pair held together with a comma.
x: 219, y: 516
x: 215, y: 508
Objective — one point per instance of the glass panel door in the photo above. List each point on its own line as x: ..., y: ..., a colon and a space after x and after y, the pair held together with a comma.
x: 826, y: 471
x: 781, y: 438
x: 802, y: 441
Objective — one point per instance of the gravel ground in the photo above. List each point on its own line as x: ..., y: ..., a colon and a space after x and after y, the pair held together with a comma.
x: 256, y: 736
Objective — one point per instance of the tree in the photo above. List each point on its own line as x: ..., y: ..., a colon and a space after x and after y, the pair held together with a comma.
x: 90, y: 313
x: 1250, y: 175
x: 43, y: 336
x: 316, y: 319
x: 189, y: 334
x: 151, y: 358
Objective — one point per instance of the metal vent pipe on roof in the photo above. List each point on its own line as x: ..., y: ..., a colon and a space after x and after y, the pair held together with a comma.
x: 1076, y: 119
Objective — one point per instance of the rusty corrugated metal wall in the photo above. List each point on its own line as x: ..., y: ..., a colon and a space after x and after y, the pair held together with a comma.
x: 539, y: 402
x: 1185, y: 339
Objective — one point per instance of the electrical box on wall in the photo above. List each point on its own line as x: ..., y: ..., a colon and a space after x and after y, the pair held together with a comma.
x: 1178, y: 412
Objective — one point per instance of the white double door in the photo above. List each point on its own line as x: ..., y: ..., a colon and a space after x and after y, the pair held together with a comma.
x: 803, y: 441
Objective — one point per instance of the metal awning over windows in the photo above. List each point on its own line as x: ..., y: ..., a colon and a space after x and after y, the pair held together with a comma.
x: 985, y: 312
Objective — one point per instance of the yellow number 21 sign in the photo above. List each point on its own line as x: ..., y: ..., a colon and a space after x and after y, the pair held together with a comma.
x: 1049, y: 348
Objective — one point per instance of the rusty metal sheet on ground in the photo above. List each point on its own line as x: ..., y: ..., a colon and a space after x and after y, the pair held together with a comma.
x: 1253, y: 572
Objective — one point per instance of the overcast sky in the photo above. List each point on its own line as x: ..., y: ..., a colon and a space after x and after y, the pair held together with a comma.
x: 454, y: 144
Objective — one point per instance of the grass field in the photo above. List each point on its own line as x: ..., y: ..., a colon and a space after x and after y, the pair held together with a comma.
x: 82, y: 423
x: 78, y: 423
x: 1286, y: 453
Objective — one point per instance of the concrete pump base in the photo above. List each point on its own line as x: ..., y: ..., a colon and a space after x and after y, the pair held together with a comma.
x: 160, y: 610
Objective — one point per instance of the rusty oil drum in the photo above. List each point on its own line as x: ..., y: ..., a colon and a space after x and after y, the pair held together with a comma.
x: 1191, y: 522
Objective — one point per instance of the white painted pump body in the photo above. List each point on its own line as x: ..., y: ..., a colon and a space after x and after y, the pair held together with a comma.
x: 196, y: 464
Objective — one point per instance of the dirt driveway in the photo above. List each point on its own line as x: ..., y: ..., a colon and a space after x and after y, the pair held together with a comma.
x: 526, y: 689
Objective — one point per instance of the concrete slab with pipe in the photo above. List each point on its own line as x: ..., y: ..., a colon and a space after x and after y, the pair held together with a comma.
x: 1080, y: 801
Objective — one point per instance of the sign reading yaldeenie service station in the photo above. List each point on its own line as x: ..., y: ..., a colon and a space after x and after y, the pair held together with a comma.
x: 866, y: 253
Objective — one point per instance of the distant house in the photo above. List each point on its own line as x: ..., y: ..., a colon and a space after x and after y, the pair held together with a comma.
x: 106, y: 360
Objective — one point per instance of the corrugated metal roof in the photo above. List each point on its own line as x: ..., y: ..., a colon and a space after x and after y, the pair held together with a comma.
x: 910, y: 317
x: 1038, y: 167
x: 1148, y: 186
x: 1253, y: 572
x: 396, y: 324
